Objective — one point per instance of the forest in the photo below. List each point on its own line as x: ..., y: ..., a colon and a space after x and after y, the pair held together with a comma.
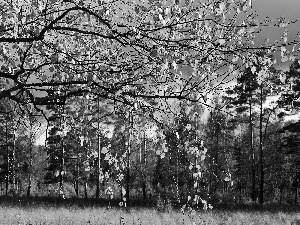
x: 172, y: 101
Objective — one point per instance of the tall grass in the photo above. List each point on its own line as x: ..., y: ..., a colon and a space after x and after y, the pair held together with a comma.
x: 77, y: 211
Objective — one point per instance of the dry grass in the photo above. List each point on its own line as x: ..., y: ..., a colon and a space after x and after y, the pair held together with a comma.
x: 92, y: 215
x: 46, y: 211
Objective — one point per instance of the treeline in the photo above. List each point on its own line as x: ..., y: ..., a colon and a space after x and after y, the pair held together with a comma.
x: 246, y: 150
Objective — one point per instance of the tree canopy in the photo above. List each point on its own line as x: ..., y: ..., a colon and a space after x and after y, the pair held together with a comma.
x: 126, y: 52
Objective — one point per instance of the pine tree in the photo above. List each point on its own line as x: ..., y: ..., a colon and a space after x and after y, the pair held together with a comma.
x: 253, y: 87
x: 290, y: 141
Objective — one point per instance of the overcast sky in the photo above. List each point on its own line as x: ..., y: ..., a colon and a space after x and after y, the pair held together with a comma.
x: 276, y: 8
x: 290, y: 9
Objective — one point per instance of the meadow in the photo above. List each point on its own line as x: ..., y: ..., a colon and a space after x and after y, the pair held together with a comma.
x: 52, y: 211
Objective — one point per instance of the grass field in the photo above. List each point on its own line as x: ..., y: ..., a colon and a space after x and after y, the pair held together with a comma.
x: 30, y: 211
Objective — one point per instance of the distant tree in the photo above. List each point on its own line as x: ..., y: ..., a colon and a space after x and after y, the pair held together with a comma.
x: 253, y: 87
x: 245, y: 100
x: 289, y: 101
x: 218, y: 133
x: 55, y: 144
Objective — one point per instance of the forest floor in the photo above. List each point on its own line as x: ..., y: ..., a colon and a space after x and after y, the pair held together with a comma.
x: 52, y: 211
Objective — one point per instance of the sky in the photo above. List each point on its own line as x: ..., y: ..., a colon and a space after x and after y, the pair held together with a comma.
x: 276, y: 8
x: 264, y: 8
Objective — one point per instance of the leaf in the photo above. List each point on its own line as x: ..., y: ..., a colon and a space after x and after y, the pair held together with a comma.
x: 175, y: 67
x: 241, y: 31
x: 222, y: 41
x: 284, y: 59
x: 104, y: 150
x: 259, y: 77
x: 107, y: 157
x: 44, y: 77
x: 292, y: 58
x: 222, y: 6
x: 186, y: 144
x: 195, y: 184
x: 201, y: 143
x: 235, y: 58
x: 283, y: 51
x: 123, y: 192
x: 282, y: 77
x: 282, y: 22
x: 54, y: 58
x: 90, y: 77
x: 202, y: 157
x: 51, y: 69
x: 188, y: 127
x: 199, y: 174
x: 167, y: 10
x: 160, y: 17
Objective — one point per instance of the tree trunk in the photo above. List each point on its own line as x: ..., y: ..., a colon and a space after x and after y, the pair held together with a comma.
x: 143, y: 163
x: 128, y: 157
x: 61, y: 171
x: 99, y: 155
x: 296, y: 186
x: 296, y: 194
x: 7, y: 159
x: 62, y: 162
x: 18, y: 182
x: 281, y: 192
x: 240, y: 190
x: 253, y: 195
x: 85, y: 190
x: 144, y: 191
x: 77, y: 177
x: 177, y: 176
x: 30, y: 166
x: 14, y: 161
x: 127, y: 183
x: 261, y: 199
